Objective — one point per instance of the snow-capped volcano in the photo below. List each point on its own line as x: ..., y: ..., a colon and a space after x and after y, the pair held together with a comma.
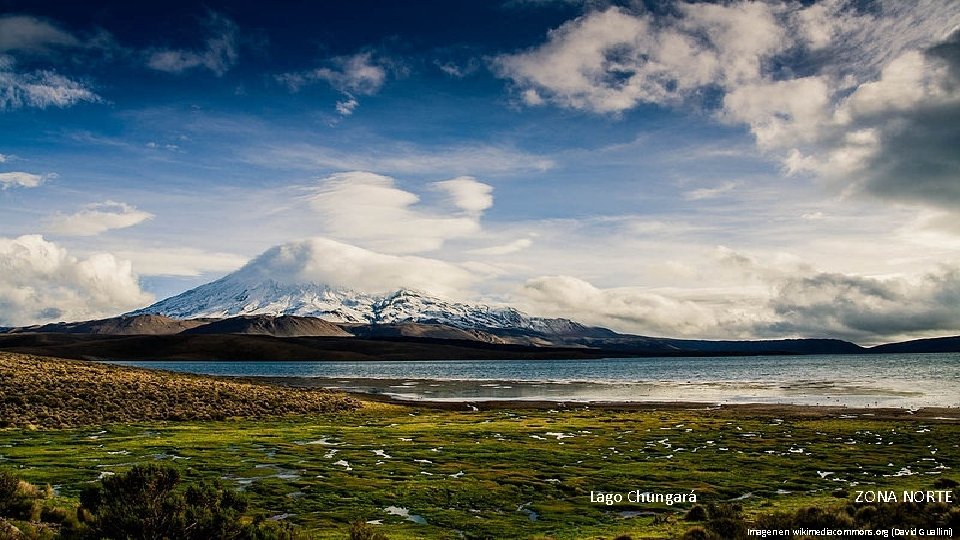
x: 279, y: 282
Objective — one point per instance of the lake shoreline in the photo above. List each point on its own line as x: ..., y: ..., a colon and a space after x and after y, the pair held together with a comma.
x: 938, y: 414
x: 774, y: 410
x: 852, y: 382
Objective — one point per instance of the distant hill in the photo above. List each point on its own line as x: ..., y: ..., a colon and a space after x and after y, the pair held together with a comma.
x: 776, y: 346
x: 931, y: 345
x: 288, y: 337
x: 283, y: 326
x: 245, y: 347
x: 147, y: 324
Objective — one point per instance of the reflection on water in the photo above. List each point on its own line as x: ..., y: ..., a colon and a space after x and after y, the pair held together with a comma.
x: 855, y: 380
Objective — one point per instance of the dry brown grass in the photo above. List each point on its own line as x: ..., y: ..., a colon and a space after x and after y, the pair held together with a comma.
x: 50, y: 392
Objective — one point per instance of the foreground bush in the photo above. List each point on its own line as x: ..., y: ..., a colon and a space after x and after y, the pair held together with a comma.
x: 151, y: 502
x: 29, y: 513
x: 360, y: 530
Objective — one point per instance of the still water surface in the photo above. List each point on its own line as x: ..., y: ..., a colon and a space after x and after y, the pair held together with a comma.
x: 890, y: 380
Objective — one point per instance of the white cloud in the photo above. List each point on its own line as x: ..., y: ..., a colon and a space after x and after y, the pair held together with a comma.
x: 894, y: 137
x: 321, y: 260
x: 346, y: 106
x: 610, y: 61
x: 23, y: 33
x: 353, y: 75
x: 515, y: 246
x: 4, y: 158
x: 219, y: 55
x: 741, y: 36
x: 657, y: 313
x: 874, y: 107
x: 466, y: 193
x: 41, y: 88
x: 371, y: 209
x: 710, y: 193
x: 405, y: 158
x: 22, y: 179
x: 180, y: 261
x: 98, y: 218
x: 41, y: 282
x: 779, y: 300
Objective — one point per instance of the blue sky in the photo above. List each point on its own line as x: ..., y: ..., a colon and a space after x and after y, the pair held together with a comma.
x: 736, y: 169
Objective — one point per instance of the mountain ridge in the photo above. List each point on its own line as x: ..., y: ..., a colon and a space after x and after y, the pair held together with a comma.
x: 303, y: 338
x: 233, y: 295
x: 297, y: 318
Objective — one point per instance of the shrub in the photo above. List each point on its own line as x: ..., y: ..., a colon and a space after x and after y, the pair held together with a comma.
x: 696, y: 513
x: 360, y: 530
x: 819, y: 518
x: 726, y: 521
x: 696, y: 533
x: 944, y: 483
x: 149, y: 502
x: 18, y: 499
x: 269, y: 530
x: 9, y: 484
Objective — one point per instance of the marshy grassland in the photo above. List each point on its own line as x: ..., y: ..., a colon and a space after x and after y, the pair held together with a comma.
x: 323, y: 461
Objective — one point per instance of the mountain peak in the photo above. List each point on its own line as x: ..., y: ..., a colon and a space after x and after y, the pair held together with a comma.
x: 231, y: 297
x: 295, y: 279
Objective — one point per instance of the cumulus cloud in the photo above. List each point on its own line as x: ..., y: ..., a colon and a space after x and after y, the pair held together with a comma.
x: 40, y: 88
x: 371, y: 209
x: 98, y: 218
x: 873, y: 108
x: 321, y: 260
x: 894, y: 137
x: 354, y: 75
x: 22, y: 179
x: 610, y: 61
x: 219, y: 55
x: 41, y: 282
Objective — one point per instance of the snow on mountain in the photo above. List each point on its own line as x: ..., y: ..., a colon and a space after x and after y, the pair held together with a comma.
x: 274, y: 284
x: 230, y: 297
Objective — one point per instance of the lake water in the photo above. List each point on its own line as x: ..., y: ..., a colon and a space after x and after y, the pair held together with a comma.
x: 887, y: 380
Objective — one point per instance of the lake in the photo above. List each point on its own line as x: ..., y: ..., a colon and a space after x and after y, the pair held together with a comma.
x: 878, y: 380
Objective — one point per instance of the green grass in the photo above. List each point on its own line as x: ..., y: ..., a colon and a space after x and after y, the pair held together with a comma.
x: 488, y: 470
